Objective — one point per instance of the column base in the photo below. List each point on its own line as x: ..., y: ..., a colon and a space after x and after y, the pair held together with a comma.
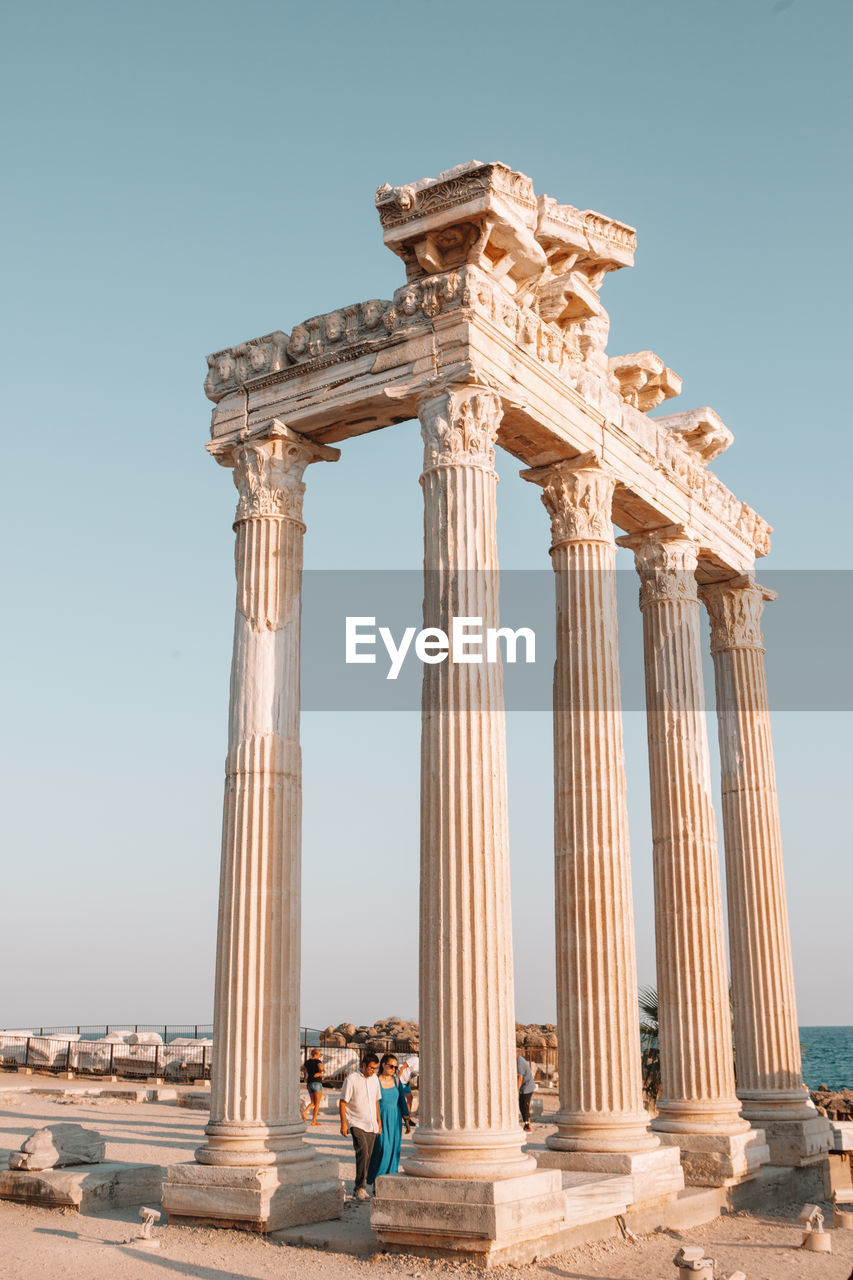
x: 489, y: 1222
x: 475, y: 1155
x: 798, y: 1142
x: 719, y: 1159
x: 261, y: 1199
x: 653, y: 1173
x: 596, y: 1134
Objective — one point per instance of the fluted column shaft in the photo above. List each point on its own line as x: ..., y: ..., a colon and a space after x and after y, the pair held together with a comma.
x: 601, y: 1101
x: 765, y: 1017
x: 254, y: 1106
x: 468, y: 1108
x: 697, y: 1074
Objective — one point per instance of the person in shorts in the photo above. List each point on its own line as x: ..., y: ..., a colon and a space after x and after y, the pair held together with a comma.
x: 314, y: 1083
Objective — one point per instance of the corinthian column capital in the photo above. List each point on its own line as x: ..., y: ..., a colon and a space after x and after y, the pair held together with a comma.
x: 666, y: 561
x: 734, y: 610
x: 578, y: 496
x: 460, y: 427
x: 267, y: 465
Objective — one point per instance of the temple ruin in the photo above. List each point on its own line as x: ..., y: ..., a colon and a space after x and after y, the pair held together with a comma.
x: 498, y: 336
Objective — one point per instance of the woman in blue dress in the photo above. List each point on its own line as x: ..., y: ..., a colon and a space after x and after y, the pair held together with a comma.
x: 392, y: 1108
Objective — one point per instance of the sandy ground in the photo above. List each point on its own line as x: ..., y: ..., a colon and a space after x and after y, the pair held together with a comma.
x: 57, y: 1244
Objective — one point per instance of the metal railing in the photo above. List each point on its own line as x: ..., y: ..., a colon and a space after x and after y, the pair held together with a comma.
x: 86, y: 1050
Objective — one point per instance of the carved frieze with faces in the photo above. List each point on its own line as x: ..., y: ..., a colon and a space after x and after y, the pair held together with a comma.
x: 230, y: 369
x: 478, y: 239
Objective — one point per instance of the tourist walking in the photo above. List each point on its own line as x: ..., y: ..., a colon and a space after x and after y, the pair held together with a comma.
x: 359, y: 1108
x: 314, y: 1083
x: 408, y: 1067
x: 526, y: 1086
x: 393, y: 1107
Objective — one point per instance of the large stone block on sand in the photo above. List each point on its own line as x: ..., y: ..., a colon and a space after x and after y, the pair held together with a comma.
x: 59, y: 1144
x: 719, y: 1159
x: 111, y: 1185
x: 253, y: 1199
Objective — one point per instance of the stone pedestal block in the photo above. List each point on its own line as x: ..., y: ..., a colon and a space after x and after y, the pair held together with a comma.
x: 253, y: 1199
x: 96, y: 1189
x: 796, y: 1142
x: 653, y: 1174
x: 486, y: 1221
x: 719, y: 1159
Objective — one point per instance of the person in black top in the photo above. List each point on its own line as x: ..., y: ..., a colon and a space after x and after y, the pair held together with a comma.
x: 314, y: 1081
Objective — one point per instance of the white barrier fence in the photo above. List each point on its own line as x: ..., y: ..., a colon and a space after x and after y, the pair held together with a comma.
x: 141, y: 1054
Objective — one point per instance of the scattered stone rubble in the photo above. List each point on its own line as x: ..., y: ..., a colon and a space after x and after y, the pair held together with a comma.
x: 835, y: 1104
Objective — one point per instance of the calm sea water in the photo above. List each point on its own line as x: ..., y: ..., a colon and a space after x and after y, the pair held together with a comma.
x: 827, y: 1056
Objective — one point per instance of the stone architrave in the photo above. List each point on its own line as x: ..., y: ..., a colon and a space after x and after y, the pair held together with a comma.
x: 698, y: 1109
x: 469, y: 1175
x: 255, y: 1170
x: 601, y: 1101
x: 770, y: 1083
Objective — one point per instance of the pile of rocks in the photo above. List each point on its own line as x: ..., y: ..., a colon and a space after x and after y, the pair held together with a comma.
x: 384, y: 1029
x: 535, y: 1035
x: 835, y: 1104
x: 532, y: 1035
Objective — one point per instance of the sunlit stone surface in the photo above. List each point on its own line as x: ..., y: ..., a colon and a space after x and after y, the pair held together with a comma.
x: 498, y: 336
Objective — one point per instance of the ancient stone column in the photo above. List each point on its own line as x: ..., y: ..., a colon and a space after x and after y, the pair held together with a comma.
x: 254, y: 1167
x: 468, y: 1121
x: 469, y: 1138
x: 698, y: 1108
x: 766, y: 1033
x: 601, y: 1099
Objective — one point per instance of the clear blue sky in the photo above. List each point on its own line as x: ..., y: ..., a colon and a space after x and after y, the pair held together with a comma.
x: 181, y: 176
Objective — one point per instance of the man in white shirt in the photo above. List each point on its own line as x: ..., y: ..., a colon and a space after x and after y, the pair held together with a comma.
x: 359, y: 1107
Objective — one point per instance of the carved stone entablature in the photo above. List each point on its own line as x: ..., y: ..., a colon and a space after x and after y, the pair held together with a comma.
x: 644, y: 380
x: 477, y: 214
x: 336, y: 330
x: 267, y: 464
x: 674, y: 457
x: 734, y: 611
x: 666, y: 561
x: 578, y: 496
x: 581, y: 247
x: 701, y: 430
x: 597, y: 243
x: 230, y: 369
x: 460, y: 427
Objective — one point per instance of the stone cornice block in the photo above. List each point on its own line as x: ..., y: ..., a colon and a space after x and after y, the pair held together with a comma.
x: 701, y: 430
x: 475, y: 213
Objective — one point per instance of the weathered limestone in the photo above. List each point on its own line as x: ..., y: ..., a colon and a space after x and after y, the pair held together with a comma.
x: 468, y: 1136
x: 601, y: 1100
x: 255, y: 1170
x: 57, y: 1145
x: 766, y: 1033
x: 497, y: 335
x: 89, y: 1189
x: 698, y: 1108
